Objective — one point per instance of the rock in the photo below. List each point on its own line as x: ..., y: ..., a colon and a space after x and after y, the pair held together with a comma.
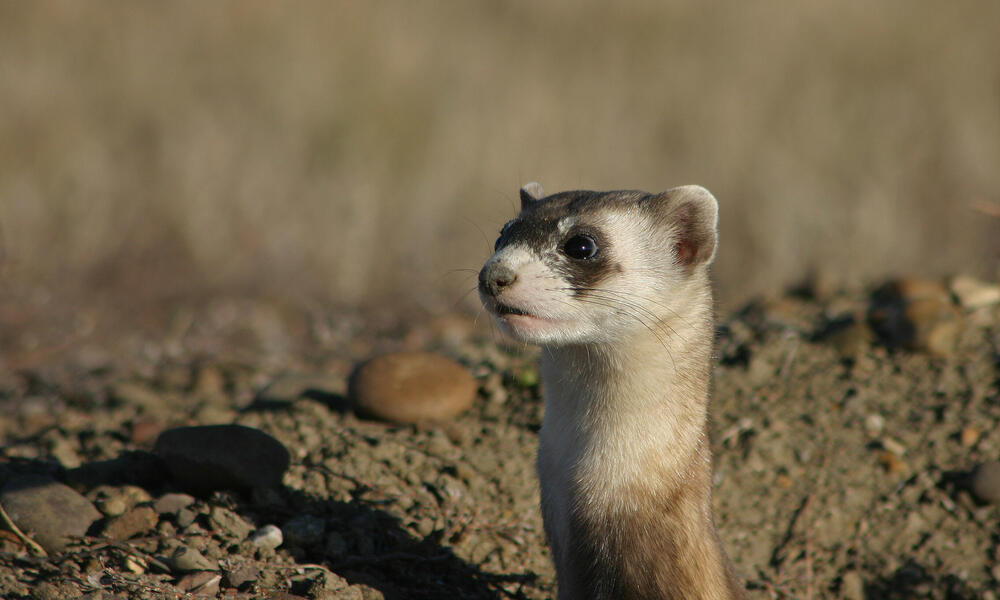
x: 53, y: 591
x: 131, y: 524
x: 874, y: 424
x: 172, y: 503
x: 205, y: 583
x: 135, y: 394
x: 851, y: 586
x: 186, y: 559
x: 206, y: 458
x: 113, y: 501
x: 209, y: 381
x: 304, y: 530
x: 112, y: 506
x: 230, y: 523
x: 410, y: 387
x: 336, y: 546
x: 240, y: 574
x: 969, y: 436
x: 47, y: 511
x: 185, y: 517
x: 916, y: 315
x: 893, y: 446
x: 268, y: 536
x: 849, y: 337
x: 289, y: 387
x: 134, y: 564
x: 985, y: 482
x: 144, y: 432
x: 972, y: 293
x: 891, y: 462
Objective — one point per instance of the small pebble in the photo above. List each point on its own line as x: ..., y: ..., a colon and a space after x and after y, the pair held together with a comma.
x: 240, y: 574
x: 891, y: 462
x: 985, y: 484
x: 132, y: 523
x: 204, y: 583
x: 144, y: 432
x: 973, y: 293
x: 969, y: 436
x: 171, y: 503
x: 186, y: 559
x: 209, y: 381
x: 874, y: 424
x: 410, y: 387
x: 893, y: 446
x: 852, y: 587
x: 111, y: 507
x: 186, y: 517
x: 268, y: 536
x: 134, y: 564
x: 849, y: 337
x: 136, y: 394
x: 229, y: 523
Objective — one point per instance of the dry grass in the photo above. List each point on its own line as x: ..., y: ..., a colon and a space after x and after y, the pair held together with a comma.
x: 369, y: 150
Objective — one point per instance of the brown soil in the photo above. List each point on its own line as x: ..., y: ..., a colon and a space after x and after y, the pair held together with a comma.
x: 841, y: 466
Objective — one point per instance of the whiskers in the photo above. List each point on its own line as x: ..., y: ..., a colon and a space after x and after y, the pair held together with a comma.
x: 635, y: 306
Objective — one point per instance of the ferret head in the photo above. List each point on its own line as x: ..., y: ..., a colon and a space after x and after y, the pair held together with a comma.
x: 589, y: 267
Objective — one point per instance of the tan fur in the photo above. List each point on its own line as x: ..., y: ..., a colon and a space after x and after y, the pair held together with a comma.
x: 623, y: 461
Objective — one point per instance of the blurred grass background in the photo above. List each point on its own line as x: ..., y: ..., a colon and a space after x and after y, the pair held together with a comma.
x: 369, y: 151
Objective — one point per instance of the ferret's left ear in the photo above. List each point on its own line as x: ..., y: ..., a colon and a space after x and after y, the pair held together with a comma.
x: 692, y: 213
x: 531, y: 193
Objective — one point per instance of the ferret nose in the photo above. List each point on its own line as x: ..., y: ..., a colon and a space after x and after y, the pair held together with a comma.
x: 495, y: 277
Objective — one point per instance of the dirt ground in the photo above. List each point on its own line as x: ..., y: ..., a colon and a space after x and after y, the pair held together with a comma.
x: 843, y: 450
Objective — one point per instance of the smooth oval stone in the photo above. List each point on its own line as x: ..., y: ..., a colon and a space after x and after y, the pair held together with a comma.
x: 985, y: 482
x: 410, y: 387
x: 47, y: 511
x: 206, y: 458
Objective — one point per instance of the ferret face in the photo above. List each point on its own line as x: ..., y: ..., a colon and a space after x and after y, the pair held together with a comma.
x: 589, y: 267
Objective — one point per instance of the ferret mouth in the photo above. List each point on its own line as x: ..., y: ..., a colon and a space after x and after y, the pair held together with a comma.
x: 502, y: 310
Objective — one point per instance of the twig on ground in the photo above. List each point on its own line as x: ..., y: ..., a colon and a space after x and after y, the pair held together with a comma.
x: 31, y: 544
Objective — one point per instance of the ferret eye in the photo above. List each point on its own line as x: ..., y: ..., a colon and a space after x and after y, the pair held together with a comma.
x: 496, y: 244
x: 580, y: 247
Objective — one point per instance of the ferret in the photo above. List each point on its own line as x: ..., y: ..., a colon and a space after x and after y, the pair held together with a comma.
x: 614, y: 287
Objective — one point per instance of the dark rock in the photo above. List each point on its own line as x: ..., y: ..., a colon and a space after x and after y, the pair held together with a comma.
x: 47, y: 511
x: 304, y: 530
x: 410, y: 387
x: 915, y: 314
x: 206, y: 458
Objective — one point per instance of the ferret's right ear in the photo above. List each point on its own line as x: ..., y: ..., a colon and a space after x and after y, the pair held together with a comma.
x: 692, y: 213
x: 531, y: 193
